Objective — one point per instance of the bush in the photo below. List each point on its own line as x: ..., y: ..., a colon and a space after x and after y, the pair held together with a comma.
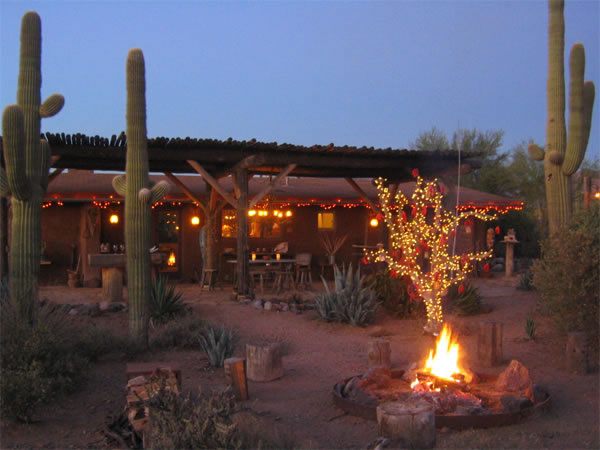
x: 527, y: 230
x: 181, y: 333
x: 165, y: 303
x: 526, y: 281
x: 391, y: 293
x: 218, y: 344
x: 567, y: 277
x: 352, y: 302
x: 465, y: 298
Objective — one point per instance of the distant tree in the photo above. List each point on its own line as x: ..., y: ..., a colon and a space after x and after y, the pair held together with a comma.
x: 434, y: 139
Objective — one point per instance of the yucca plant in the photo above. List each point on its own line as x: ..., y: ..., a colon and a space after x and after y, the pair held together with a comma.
x: 530, y: 329
x: 165, y: 303
x: 351, y: 302
x: 466, y: 299
x: 218, y: 344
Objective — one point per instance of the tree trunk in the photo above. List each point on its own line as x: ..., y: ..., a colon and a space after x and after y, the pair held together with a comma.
x: 235, y: 374
x: 241, y: 183
x: 410, y: 423
x: 380, y: 353
x: 489, y: 343
x: 264, y: 362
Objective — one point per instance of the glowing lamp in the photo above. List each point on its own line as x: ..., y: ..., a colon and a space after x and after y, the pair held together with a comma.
x: 374, y: 222
x: 253, y: 256
x: 288, y: 214
x: 251, y: 212
x: 195, y: 220
x: 597, y: 195
x: 171, y: 261
x: 114, y: 219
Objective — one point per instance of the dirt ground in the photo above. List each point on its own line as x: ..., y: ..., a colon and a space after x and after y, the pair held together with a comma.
x: 317, y: 355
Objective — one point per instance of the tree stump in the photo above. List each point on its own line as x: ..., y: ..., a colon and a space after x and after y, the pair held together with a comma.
x: 112, y: 284
x: 263, y: 362
x: 489, y: 343
x: 235, y: 374
x: 408, y: 423
x: 578, y: 353
x: 379, y: 353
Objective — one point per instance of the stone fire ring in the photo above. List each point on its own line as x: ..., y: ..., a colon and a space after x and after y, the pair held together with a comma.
x: 455, y: 422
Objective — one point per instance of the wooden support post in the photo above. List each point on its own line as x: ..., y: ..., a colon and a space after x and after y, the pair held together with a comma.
x: 410, y: 424
x: 235, y: 374
x: 112, y: 284
x: 578, y: 353
x: 240, y: 180
x: 89, y: 243
x: 264, y: 362
x: 380, y: 353
x: 489, y: 343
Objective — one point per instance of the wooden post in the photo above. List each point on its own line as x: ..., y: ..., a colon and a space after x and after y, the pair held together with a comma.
x: 241, y: 183
x: 380, y: 353
x: 112, y: 284
x: 89, y: 243
x: 509, y: 260
x: 578, y: 353
x: 489, y: 343
x: 410, y: 423
x: 235, y: 374
x: 264, y: 362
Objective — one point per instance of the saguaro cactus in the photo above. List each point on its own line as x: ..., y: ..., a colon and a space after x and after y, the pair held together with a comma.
x: 27, y: 162
x: 562, y: 158
x: 139, y: 196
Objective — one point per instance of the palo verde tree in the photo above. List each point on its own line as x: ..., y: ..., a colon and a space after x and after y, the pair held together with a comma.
x: 27, y: 163
x: 420, y: 230
x: 139, y: 195
x: 563, y: 157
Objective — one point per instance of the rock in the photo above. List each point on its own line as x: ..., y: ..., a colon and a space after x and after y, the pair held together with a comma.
x: 540, y: 393
x: 94, y: 309
x: 73, y: 312
x: 284, y: 306
x: 499, y: 267
x: 104, y: 305
x: 115, y: 307
x: 293, y: 307
x: 310, y: 306
x: 515, y: 378
x: 245, y: 301
x: 350, y: 386
x: 380, y: 377
x: 258, y: 303
x: 268, y: 306
x: 511, y: 403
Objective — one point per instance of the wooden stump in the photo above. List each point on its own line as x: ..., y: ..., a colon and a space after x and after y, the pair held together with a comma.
x: 380, y: 353
x: 408, y: 423
x: 263, y: 362
x: 578, y: 353
x: 235, y: 374
x: 489, y: 343
x: 112, y: 284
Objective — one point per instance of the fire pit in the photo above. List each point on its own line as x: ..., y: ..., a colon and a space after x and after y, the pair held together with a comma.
x: 461, y: 398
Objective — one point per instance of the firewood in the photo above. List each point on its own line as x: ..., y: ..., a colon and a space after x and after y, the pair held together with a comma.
x: 410, y: 423
x: 489, y: 343
x: 379, y: 353
x: 235, y: 374
x: 443, y: 382
x: 263, y: 362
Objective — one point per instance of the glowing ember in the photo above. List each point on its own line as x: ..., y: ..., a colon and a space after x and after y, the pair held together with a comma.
x: 171, y: 260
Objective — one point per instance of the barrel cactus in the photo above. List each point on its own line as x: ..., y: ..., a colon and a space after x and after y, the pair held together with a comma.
x: 139, y: 195
x: 563, y: 157
x: 27, y: 163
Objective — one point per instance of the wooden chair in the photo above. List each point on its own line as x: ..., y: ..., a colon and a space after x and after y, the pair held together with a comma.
x: 284, y: 276
x: 303, y: 270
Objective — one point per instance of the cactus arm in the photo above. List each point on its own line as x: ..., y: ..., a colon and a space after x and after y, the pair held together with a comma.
x: 52, y: 105
x: 589, y: 93
x: 14, y: 152
x: 159, y: 190
x: 120, y: 184
x: 45, y: 161
x: 4, y: 187
x: 536, y: 152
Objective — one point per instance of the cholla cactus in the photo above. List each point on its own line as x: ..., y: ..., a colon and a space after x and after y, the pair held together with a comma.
x: 563, y: 157
x: 139, y: 196
x: 27, y: 162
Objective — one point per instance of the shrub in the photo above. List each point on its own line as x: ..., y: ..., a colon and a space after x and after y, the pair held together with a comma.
x: 526, y: 281
x: 391, y: 293
x: 352, y: 302
x: 218, y: 344
x: 181, y: 333
x: 530, y: 329
x: 567, y: 277
x: 165, y: 303
x: 465, y: 298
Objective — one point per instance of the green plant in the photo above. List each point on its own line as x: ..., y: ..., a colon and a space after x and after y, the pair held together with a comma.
x: 139, y: 195
x: 563, y: 157
x: 465, y: 298
x: 218, y: 344
x: 391, y: 292
x: 181, y: 333
x: 526, y: 281
x: 566, y: 277
x: 165, y: 303
x: 27, y: 162
x: 530, y: 329
x: 352, y: 302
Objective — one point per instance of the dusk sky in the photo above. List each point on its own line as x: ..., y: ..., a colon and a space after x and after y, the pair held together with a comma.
x: 352, y: 73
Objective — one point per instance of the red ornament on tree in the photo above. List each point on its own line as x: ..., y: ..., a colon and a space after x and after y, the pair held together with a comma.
x: 364, y: 261
x: 486, y: 267
x: 404, y: 217
x: 415, y: 173
x: 461, y: 289
x: 413, y: 211
x: 497, y: 230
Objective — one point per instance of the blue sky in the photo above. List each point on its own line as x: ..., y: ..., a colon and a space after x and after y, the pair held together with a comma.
x: 353, y: 73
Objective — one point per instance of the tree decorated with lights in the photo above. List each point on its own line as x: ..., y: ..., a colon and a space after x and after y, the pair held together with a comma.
x: 420, y: 231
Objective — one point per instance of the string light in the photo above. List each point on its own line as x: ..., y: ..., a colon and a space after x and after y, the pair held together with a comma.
x: 420, y: 231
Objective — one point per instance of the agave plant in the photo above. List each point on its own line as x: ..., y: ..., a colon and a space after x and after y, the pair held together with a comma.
x: 218, y: 344
x: 165, y: 303
x: 526, y: 281
x: 466, y: 299
x: 530, y: 329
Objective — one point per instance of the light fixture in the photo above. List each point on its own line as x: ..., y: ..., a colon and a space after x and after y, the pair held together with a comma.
x: 114, y: 219
x: 288, y: 214
x: 252, y: 212
x: 597, y: 195
x: 374, y: 222
x: 195, y: 220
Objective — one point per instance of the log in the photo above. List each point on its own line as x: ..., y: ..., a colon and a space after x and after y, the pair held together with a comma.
x: 379, y: 353
x: 263, y: 362
x: 489, y: 343
x: 578, y: 353
x: 112, y: 284
x: 409, y: 423
x: 235, y: 374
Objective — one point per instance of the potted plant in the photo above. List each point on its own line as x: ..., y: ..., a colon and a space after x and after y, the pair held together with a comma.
x: 331, y: 244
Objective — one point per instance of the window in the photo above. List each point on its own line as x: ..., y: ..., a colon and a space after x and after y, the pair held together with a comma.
x: 261, y: 224
x: 326, y: 221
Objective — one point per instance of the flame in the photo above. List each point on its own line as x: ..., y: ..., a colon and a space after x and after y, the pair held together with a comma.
x: 171, y: 260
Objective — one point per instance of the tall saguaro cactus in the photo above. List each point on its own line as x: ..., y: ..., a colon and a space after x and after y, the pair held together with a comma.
x: 563, y: 157
x: 139, y: 196
x: 27, y: 163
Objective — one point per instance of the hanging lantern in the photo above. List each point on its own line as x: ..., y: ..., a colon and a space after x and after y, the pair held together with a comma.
x: 374, y: 222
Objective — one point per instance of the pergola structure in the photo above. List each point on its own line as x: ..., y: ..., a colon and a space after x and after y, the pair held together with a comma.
x: 214, y: 159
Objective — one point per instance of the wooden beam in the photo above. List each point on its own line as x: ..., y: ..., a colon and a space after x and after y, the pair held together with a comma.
x: 362, y: 195
x: 54, y: 174
x: 257, y: 198
x: 240, y: 178
x: 214, y: 183
x: 177, y: 182
x: 252, y: 160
